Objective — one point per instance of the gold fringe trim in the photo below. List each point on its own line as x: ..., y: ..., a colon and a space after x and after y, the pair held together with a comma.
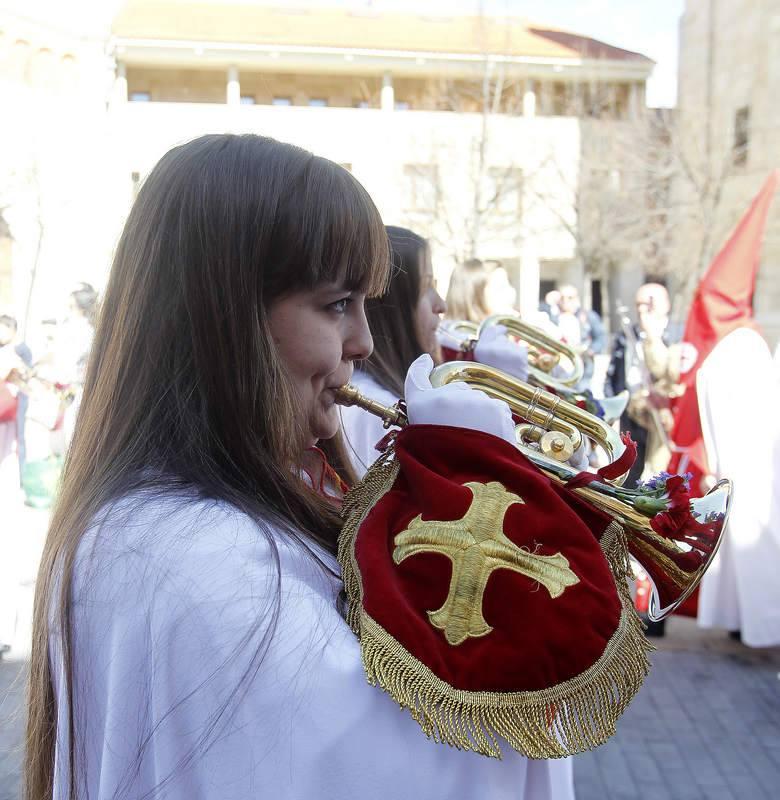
x: 569, y: 718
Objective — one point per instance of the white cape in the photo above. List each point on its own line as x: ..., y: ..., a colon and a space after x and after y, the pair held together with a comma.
x: 173, y: 598
x: 738, y: 402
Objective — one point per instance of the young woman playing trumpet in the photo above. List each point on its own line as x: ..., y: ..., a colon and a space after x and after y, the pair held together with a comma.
x: 189, y: 640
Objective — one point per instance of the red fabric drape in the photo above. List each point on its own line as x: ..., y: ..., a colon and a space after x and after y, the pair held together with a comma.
x: 530, y: 645
x: 722, y: 303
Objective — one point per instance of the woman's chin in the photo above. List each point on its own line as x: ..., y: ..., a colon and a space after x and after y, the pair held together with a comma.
x: 326, y: 427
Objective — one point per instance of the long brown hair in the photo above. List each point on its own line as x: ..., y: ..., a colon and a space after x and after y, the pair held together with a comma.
x: 466, y: 292
x: 391, y: 317
x: 184, y: 389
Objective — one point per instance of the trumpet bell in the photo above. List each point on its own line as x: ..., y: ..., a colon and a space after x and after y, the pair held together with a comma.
x: 547, y: 352
x: 675, y: 562
x: 544, y: 411
x: 675, y: 571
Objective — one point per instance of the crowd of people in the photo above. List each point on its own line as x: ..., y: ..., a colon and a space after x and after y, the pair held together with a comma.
x: 40, y: 391
x: 192, y: 628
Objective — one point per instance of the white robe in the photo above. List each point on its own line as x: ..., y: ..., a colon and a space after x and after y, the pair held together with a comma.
x: 738, y: 402
x: 172, y: 599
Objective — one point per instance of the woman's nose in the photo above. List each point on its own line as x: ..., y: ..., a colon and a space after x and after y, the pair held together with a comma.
x: 360, y: 343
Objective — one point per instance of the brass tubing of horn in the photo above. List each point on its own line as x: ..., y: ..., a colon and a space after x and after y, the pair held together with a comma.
x: 542, y: 342
x: 542, y: 409
x: 391, y: 415
x: 544, y: 352
x: 465, y: 326
x: 675, y: 570
x: 536, y: 405
x: 532, y: 404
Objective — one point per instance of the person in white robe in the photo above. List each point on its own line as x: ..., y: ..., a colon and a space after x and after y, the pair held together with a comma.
x: 738, y: 397
x: 173, y: 601
x: 405, y: 323
x: 189, y: 639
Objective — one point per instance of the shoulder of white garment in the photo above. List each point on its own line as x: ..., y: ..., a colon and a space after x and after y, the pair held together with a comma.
x: 177, y: 645
x: 147, y: 549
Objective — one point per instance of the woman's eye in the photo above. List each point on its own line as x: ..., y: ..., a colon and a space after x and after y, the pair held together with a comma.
x: 340, y: 306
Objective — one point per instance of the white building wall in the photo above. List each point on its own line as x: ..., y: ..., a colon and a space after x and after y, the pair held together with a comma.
x: 378, y: 145
x: 85, y: 157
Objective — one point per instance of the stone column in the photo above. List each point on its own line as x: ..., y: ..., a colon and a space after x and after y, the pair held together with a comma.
x: 634, y: 101
x: 529, y: 98
x: 120, y: 83
x: 388, y: 93
x: 529, y: 280
x: 233, y: 87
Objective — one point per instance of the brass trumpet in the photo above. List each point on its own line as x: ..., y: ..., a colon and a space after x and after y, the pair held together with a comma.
x: 675, y: 565
x: 545, y: 353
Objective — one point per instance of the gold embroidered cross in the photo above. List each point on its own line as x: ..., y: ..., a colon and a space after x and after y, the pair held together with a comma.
x: 477, y: 546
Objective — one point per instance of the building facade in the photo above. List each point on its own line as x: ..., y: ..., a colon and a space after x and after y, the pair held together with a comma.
x: 729, y: 82
x: 468, y: 130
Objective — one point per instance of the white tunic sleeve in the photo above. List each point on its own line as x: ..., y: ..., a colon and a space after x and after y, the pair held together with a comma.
x: 191, y: 683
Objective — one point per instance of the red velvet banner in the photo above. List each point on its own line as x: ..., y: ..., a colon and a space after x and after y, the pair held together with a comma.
x: 537, y: 640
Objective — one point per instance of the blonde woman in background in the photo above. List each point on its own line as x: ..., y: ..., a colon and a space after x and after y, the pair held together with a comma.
x: 478, y: 289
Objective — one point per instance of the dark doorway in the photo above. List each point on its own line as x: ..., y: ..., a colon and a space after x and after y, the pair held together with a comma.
x: 544, y: 287
x: 595, y: 296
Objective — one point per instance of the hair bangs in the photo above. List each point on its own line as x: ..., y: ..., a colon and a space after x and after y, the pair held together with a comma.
x: 343, y: 236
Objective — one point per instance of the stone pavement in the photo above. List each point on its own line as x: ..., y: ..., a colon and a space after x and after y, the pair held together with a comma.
x: 706, y: 726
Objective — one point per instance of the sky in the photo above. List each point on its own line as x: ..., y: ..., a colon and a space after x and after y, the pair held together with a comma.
x: 649, y: 27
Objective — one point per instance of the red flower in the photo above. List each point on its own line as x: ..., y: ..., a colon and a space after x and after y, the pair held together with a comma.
x: 679, y: 524
x: 677, y: 494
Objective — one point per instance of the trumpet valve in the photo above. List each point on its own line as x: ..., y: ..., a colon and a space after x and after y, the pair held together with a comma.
x: 553, y: 444
x: 556, y: 445
x: 545, y: 361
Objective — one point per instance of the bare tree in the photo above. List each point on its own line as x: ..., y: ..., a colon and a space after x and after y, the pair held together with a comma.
x: 644, y: 196
x: 487, y: 203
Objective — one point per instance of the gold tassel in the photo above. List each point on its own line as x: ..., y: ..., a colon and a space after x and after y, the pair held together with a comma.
x: 574, y: 716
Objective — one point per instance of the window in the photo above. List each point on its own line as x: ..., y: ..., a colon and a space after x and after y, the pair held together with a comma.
x: 281, y: 101
x: 362, y: 104
x: 318, y: 102
x: 247, y: 100
x: 420, y: 188
x: 140, y: 97
x: 401, y: 105
x: 741, y: 136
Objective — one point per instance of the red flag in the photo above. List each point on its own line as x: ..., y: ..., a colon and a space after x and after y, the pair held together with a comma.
x: 722, y: 303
